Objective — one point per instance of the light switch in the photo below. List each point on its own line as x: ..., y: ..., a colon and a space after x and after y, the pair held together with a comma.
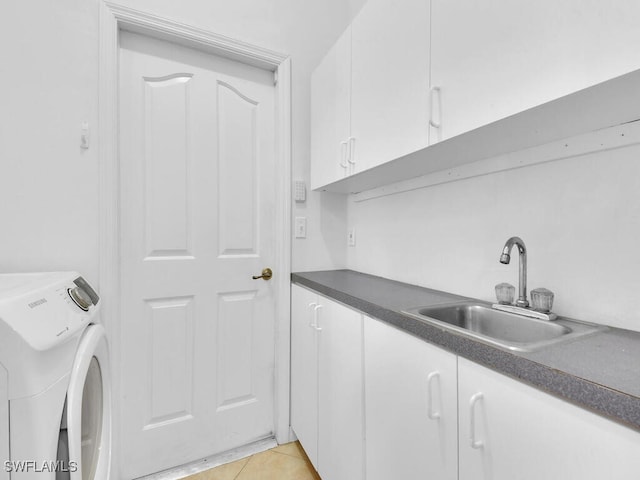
x: 301, y: 227
x: 84, y: 135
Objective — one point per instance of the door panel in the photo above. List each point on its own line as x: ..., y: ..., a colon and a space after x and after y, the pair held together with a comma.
x: 167, y: 220
x: 235, y: 326
x: 169, y: 394
x: 197, y: 210
x: 237, y: 200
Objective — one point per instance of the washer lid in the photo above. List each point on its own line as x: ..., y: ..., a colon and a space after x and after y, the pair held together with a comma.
x: 39, y: 308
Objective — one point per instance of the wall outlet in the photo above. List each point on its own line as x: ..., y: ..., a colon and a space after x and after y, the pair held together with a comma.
x: 351, y: 237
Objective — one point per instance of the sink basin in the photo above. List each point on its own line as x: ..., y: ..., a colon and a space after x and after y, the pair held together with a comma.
x: 506, y: 330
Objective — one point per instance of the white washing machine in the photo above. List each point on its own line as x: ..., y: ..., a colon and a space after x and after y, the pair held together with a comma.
x: 55, y: 405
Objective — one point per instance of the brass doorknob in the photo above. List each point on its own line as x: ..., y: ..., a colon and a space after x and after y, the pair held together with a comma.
x: 266, y: 274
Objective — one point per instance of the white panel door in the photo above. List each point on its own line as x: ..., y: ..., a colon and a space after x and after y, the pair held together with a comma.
x: 330, y: 114
x: 521, y: 432
x: 304, y: 369
x: 411, y: 406
x: 340, y: 392
x: 389, y: 81
x: 495, y: 58
x: 197, y: 208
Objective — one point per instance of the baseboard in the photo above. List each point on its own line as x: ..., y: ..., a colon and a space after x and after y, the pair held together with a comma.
x: 214, y: 460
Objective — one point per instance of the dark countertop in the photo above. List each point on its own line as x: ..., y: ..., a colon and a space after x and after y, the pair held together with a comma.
x: 600, y: 372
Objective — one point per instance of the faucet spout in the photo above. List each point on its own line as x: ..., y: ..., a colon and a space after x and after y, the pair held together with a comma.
x: 505, y: 258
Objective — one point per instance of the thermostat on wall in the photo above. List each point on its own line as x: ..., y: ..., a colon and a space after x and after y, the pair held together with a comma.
x: 299, y: 191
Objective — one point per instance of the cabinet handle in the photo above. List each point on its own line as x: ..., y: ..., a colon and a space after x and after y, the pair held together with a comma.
x: 435, y: 92
x: 430, y: 381
x: 472, y: 427
x: 343, y: 153
x: 312, y: 323
x: 315, y: 314
x: 352, y: 148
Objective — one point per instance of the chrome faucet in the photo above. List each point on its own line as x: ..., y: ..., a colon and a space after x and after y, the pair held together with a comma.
x: 506, y: 258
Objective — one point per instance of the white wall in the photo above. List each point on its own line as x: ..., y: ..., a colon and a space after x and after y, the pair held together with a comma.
x: 48, y: 185
x: 579, y: 218
x: 49, y: 82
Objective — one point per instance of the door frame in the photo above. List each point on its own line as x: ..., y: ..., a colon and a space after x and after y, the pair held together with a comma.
x: 115, y: 18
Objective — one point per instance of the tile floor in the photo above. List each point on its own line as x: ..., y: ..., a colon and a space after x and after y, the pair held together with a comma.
x: 285, y: 462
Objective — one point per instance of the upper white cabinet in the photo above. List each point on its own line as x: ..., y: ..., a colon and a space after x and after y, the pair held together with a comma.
x: 411, y: 406
x: 370, y: 94
x: 331, y: 114
x: 489, y: 77
x: 495, y: 58
x: 389, y: 81
x: 327, y: 391
x: 510, y: 430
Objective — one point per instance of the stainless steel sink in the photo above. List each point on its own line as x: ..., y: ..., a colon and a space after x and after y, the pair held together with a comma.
x: 507, y: 330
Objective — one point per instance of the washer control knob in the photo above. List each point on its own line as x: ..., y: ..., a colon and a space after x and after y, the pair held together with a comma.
x: 80, y: 298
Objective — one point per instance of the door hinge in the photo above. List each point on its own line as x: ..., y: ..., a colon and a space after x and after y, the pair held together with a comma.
x: 275, y: 77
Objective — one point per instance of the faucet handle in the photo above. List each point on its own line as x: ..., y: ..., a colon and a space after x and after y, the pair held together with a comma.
x: 505, y: 292
x: 542, y: 300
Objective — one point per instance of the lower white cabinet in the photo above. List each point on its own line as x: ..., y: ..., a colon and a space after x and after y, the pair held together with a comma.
x: 424, y: 413
x: 411, y: 407
x: 340, y: 393
x: 510, y: 430
x: 327, y: 411
x: 304, y: 370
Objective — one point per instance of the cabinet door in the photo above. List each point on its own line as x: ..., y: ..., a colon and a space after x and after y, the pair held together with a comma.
x: 390, y: 81
x: 411, y: 407
x: 520, y: 432
x: 341, y: 412
x: 495, y: 58
x: 330, y: 114
x: 304, y: 370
